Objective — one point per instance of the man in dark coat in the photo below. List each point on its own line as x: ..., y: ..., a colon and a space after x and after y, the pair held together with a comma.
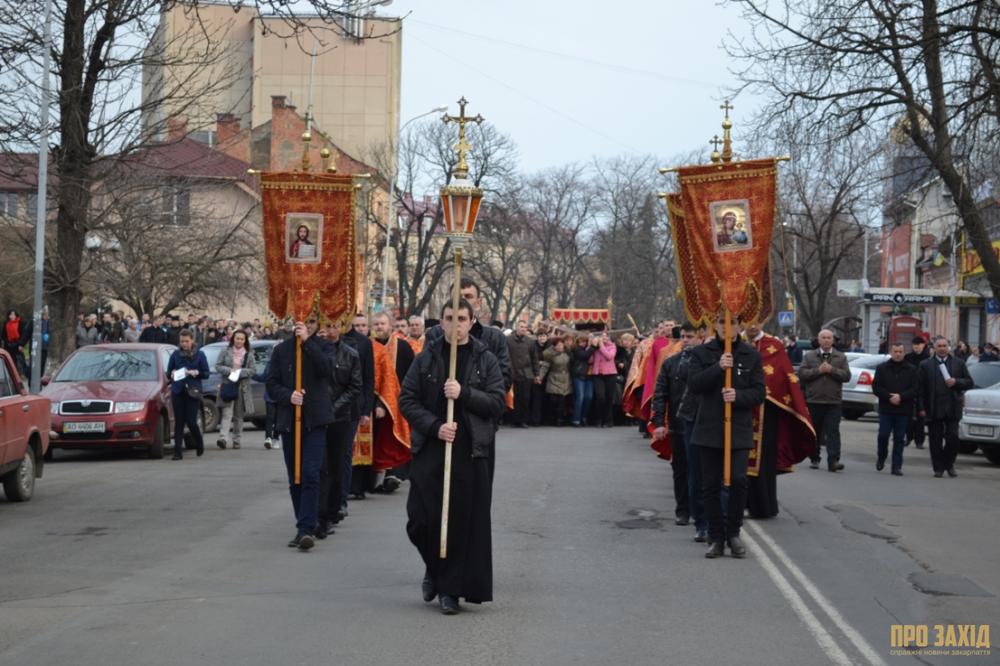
x: 916, y: 429
x: 524, y: 364
x: 478, y: 392
x: 671, y: 385
x: 706, y: 378
x: 942, y: 379
x: 895, y: 385
x: 358, y: 338
x: 319, y: 409
x: 339, y: 434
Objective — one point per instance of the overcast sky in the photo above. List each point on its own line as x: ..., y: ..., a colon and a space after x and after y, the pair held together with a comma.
x: 570, y: 80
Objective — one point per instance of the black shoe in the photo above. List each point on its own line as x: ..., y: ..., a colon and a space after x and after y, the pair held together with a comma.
x: 221, y: 443
x: 951, y: 472
x: 835, y: 466
x: 715, y: 549
x: 814, y: 464
x: 322, y: 529
x: 294, y: 543
x: 880, y: 464
x: 391, y: 484
x: 737, y: 548
x: 427, y: 589
x: 449, y: 605
x: 305, y: 541
x: 938, y: 475
x: 177, y: 456
x: 701, y: 537
x: 200, y: 451
x: 920, y: 445
x: 897, y: 472
x: 682, y: 520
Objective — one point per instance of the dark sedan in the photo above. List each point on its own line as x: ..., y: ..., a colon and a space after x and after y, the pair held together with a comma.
x: 210, y: 412
x: 112, y: 396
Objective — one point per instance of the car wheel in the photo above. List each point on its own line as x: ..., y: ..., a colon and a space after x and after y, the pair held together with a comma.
x: 967, y: 447
x: 50, y: 453
x: 992, y: 454
x: 19, y: 483
x: 209, y: 416
x: 159, y: 435
x: 853, y: 414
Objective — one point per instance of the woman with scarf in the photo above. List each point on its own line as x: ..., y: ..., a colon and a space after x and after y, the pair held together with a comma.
x: 187, y: 367
x: 235, y: 396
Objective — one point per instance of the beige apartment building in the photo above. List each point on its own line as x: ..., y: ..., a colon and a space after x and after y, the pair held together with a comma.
x: 215, y: 60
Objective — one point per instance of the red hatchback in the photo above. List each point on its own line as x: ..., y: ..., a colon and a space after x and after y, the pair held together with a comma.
x: 112, y: 396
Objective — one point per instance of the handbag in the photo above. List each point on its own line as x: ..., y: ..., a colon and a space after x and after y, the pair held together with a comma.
x: 192, y: 391
x: 230, y: 391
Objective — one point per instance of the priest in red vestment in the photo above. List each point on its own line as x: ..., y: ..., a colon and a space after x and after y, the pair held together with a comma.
x: 783, y: 432
x: 663, y: 347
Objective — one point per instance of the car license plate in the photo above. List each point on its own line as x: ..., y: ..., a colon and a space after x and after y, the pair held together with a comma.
x: 83, y: 426
x: 982, y: 431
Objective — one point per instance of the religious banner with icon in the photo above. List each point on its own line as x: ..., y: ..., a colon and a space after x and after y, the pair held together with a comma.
x: 309, y: 244
x: 722, y: 221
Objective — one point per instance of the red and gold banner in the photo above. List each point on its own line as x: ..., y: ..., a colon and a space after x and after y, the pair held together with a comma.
x: 722, y: 222
x: 309, y: 244
x: 582, y: 315
x: 794, y: 434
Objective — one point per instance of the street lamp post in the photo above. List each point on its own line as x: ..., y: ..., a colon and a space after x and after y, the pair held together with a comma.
x: 460, y: 201
x: 393, y: 219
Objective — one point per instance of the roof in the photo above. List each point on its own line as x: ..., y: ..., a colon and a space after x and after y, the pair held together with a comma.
x: 188, y: 158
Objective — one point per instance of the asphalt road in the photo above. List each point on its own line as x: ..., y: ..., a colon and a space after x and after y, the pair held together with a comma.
x: 122, y: 560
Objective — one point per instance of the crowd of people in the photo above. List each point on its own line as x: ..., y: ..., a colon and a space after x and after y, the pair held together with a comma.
x: 374, y: 402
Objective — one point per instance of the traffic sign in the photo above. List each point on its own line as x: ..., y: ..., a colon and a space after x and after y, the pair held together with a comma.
x: 786, y: 318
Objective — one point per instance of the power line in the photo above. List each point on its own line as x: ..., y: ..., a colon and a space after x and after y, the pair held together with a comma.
x: 569, y: 56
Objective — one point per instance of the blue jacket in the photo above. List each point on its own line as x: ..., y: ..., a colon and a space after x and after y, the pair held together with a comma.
x: 195, y: 362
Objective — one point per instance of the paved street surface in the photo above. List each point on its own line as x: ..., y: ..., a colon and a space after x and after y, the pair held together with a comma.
x: 122, y: 560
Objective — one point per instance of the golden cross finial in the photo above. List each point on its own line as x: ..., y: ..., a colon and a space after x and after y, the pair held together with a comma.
x: 727, y: 107
x: 715, y: 143
x: 463, y: 146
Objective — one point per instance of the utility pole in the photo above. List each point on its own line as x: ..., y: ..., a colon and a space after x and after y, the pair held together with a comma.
x: 41, y: 203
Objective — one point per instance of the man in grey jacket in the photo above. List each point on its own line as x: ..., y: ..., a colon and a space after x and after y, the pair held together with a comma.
x: 823, y: 373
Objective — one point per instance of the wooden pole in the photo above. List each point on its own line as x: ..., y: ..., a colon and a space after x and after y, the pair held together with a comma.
x: 727, y: 451
x: 298, y: 411
x: 452, y: 370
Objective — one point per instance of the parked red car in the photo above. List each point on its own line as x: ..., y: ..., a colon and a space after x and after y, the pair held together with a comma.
x: 112, y: 396
x: 24, y: 433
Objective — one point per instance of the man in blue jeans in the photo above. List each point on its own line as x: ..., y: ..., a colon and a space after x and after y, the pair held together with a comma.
x: 316, y: 399
x: 895, y: 385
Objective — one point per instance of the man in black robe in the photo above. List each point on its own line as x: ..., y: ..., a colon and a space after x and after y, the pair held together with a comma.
x: 479, y: 395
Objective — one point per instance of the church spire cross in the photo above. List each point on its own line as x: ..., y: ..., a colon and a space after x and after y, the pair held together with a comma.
x: 463, y: 146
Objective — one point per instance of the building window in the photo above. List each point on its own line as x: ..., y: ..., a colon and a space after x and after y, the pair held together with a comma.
x: 32, y: 204
x: 8, y: 204
x: 206, y: 137
x: 175, y: 207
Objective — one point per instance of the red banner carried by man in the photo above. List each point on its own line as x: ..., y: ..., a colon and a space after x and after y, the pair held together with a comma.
x: 309, y: 244
x: 722, y: 222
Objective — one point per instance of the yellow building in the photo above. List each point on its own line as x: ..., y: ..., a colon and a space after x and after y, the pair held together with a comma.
x: 219, y: 61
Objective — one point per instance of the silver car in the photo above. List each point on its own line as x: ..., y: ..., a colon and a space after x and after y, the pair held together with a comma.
x: 858, y: 398
x: 980, y: 424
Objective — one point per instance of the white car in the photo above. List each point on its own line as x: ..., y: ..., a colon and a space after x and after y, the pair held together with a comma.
x: 980, y: 424
x: 858, y: 398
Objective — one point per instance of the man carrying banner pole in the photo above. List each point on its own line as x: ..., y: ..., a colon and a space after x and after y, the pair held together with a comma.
x: 721, y: 222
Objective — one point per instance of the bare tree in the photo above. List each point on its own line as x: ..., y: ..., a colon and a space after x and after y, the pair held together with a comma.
x: 426, y: 159
x: 927, y: 69
x: 98, y: 61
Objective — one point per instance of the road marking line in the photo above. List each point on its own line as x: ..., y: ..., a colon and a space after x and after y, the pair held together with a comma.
x: 852, y: 634
x: 823, y: 637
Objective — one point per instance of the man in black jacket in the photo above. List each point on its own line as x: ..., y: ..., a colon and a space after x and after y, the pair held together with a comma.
x: 339, y: 434
x: 524, y: 363
x: 706, y: 378
x: 319, y: 409
x: 671, y: 385
x: 493, y: 338
x: 895, y: 386
x: 916, y: 428
x: 358, y: 338
x: 478, y: 392
x: 941, y: 381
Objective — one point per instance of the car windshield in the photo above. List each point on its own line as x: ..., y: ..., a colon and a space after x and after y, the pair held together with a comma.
x: 868, y: 362
x: 106, y: 365
x: 212, y: 353
x: 985, y: 374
